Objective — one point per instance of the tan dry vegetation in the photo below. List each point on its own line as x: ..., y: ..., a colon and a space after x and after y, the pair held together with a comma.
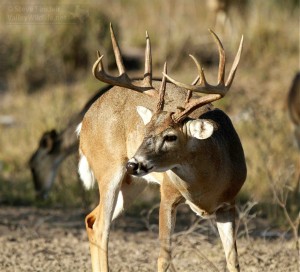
x: 53, y: 240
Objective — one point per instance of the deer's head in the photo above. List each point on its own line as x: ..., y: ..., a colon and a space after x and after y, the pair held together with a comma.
x: 44, y: 161
x: 169, y: 135
x: 166, y: 143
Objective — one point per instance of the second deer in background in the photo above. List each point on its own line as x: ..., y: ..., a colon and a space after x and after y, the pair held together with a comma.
x: 294, y: 106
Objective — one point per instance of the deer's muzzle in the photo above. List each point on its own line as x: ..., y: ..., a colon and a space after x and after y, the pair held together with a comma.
x: 137, y: 168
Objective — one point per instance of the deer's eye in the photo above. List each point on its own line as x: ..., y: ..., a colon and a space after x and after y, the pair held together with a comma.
x: 170, y: 138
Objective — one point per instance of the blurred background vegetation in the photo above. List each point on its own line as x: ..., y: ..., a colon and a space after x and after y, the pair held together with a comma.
x: 47, y: 51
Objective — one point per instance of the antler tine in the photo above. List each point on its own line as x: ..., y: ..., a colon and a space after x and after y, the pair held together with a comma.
x: 123, y: 80
x: 221, y: 72
x: 98, y: 66
x: 235, y: 64
x: 162, y: 90
x: 196, y: 80
x: 189, y: 92
x: 200, y: 71
x: 117, y: 51
x: 148, y: 62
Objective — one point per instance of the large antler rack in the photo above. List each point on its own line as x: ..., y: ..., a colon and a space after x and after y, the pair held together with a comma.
x: 214, y: 92
x: 123, y: 79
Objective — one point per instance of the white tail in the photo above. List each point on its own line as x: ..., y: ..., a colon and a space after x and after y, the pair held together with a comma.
x: 85, y: 172
x: 78, y: 129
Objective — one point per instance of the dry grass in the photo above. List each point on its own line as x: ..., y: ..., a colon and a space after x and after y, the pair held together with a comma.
x: 256, y: 103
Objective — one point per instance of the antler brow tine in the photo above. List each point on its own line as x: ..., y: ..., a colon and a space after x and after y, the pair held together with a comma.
x: 189, y: 92
x: 200, y: 71
x: 162, y: 90
x: 98, y: 66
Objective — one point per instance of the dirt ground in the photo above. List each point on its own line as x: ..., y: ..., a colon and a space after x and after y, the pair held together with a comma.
x: 33, y: 239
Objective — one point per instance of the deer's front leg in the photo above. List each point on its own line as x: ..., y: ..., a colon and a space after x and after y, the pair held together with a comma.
x: 170, y: 198
x: 226, y: 226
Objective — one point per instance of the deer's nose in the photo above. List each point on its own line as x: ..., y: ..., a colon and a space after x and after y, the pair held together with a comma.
x: 132, y: 167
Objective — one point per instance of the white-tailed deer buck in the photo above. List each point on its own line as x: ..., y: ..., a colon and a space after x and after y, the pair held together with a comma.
x: 143, y: 131
x: 294, y: 106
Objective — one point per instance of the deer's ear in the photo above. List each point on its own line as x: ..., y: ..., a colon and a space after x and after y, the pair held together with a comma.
x: 200, y: 128
x: 145, y: 114
x: 48, y: 140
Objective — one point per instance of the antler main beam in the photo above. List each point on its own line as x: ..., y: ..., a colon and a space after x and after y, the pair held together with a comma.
x: 123, y: 79
x: 214, y: 92
x: 204, y: 87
